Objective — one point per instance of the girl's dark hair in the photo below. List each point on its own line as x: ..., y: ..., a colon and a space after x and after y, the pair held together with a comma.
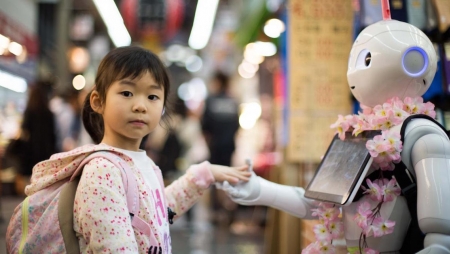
x: 120, y: 63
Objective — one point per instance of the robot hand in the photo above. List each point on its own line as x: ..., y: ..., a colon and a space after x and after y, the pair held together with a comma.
x: 258, y: 191
x: 243, y: 192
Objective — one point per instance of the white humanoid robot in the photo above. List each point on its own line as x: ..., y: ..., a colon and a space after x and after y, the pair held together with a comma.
x: 389, y: 58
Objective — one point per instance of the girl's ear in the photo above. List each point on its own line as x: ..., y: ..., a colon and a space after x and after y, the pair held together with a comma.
x: 96, y: 102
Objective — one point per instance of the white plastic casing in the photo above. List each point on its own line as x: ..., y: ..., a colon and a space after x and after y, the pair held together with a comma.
x: 403, y: 63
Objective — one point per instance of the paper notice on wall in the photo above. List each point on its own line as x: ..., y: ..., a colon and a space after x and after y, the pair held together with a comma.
x: 320, y: 39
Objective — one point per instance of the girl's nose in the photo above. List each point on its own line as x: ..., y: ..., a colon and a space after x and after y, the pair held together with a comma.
x: 139, y: 107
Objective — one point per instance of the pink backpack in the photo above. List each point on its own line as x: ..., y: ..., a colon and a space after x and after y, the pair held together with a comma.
x: 43, y: 222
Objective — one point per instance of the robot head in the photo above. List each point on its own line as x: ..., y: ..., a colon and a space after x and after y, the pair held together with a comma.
x: 390, y: 58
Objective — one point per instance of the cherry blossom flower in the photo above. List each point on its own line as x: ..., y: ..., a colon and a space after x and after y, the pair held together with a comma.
x: 321, y: 232
x: 327, y: 249
x: 413, y: 105
x: 377, y: 146
x: 326, y: 212
x: 390, y: 190
x: 341, y: 125
x: 390, y: 120
x: 336, y: 229
x: 360, y: 125
x: 399, y: 113
x: 393, y: 138
x: 363, y: 213
x: 395, y: 102
x: 370, y: 251
x: 319, y: 248
x: 382, y: 227
x: 312, y: 248
x: 375, y: 191
x: 379, y: 110
x: 366, y: 110
x: 428, y: 109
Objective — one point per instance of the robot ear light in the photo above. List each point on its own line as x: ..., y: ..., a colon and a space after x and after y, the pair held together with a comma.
x: 415, y: 61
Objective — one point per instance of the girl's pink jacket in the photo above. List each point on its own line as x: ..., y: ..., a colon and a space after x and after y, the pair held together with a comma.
x: 101, y: 218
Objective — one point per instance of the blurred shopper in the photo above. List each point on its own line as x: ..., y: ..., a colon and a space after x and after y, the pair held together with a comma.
x: 71, y: 141
x: 64, y: 116
x: 37, y: 134
x: 220, y: 123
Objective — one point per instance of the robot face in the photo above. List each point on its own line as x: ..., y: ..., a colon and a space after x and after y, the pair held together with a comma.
x: 390, y: 58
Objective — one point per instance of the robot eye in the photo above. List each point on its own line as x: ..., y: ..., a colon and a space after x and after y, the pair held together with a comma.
x: 368, y: 59
x: 415, y: 61
x: 364, y: 59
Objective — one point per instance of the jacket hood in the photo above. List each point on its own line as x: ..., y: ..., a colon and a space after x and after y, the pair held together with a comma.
x: 62, y: 165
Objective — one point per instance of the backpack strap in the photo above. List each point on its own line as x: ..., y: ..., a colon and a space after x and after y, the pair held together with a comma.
x: 67, y: 197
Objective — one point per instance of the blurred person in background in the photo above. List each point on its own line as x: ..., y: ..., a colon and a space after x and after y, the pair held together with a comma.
x: 37, y: 134
x: 220, y: 122
x: 74, y: 126
x: 64, y: 114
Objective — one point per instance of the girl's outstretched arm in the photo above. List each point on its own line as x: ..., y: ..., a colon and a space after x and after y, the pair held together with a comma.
x: 186, y: 190
x: 230, y: 174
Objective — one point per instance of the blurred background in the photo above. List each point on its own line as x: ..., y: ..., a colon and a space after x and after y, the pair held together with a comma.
x: 258, y: 79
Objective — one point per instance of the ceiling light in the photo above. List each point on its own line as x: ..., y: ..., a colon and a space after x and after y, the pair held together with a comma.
x: 114, y: 22
x: 4, y: 41
x: 265, y: 48
x: 244, y: 73
x: 15, y: 48
x: 203, y: 22
x: 13, y: 82
x: 273, y: 28
x: 79, y: 82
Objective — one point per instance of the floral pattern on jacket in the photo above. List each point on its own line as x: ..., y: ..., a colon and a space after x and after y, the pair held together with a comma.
x: 101, y: 217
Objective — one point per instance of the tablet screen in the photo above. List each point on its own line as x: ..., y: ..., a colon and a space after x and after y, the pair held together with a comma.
x: 341, y: 168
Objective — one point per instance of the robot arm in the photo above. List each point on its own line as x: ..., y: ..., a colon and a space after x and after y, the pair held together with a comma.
x: 427, y: 152
x: 258, y: 191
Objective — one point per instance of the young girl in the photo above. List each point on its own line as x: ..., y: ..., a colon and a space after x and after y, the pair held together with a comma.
x: 126, y: 104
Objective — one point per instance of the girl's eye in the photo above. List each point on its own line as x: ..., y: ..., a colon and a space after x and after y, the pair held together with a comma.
x: 126, y: 94
x: 153, y: 97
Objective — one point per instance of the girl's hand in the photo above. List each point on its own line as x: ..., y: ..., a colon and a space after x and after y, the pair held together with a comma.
x: 230, y: 174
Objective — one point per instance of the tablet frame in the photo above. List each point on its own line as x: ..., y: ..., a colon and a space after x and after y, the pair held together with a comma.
x: 347, y: 198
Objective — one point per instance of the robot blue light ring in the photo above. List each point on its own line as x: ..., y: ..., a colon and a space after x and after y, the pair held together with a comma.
x: 425, y: 58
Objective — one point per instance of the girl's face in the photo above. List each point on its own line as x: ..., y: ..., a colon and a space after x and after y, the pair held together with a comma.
x: 133, y: 109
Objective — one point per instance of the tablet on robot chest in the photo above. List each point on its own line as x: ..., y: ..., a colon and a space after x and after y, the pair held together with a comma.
x: 342, y: 169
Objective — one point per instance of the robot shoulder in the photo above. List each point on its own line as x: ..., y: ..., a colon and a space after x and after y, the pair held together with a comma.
x: 415, y: 127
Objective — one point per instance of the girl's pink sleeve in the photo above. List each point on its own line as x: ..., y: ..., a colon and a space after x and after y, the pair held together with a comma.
x: 186, y: 190
x: 101, y: 217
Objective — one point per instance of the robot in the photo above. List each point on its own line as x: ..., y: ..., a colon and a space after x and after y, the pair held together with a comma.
x: 388, y: 59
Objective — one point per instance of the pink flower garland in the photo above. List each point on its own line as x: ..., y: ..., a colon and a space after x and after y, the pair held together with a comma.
x: 330, y: 227
x: 385, y: 150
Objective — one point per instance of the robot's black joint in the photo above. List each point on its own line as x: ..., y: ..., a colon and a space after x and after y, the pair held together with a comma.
x: 171, y: 215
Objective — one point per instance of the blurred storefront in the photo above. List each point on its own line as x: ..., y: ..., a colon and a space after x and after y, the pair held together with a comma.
x: 18, y: 60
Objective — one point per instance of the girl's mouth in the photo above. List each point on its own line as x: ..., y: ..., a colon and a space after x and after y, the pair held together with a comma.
x: 138, y: 122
